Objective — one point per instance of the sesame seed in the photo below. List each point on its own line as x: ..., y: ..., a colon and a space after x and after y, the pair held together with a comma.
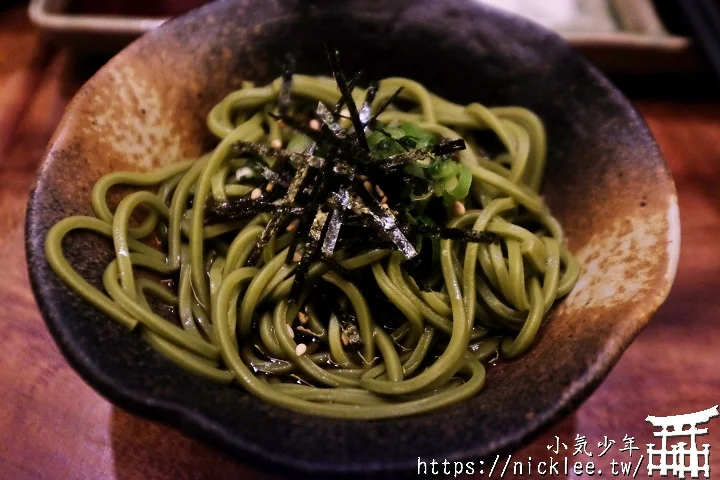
x: 368, y: 186
x: 243, y: 172
x: 379, y: 191
x: 383, y: 201
x: 270, y: 186
x: 345, y: 339
x: 314, y: 124
x: 293, y: 225
x: 277, y: 143
x: 290, y: 331
x: 459, y: 209
x: 300, y: 349
x: 303, y: 318
x: 255, y: 194
x: 345, y: 112
x: 384, y: 206
x: 297, y: 257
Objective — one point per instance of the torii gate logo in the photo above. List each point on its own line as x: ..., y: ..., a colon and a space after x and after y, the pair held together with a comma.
x: 679, y: 460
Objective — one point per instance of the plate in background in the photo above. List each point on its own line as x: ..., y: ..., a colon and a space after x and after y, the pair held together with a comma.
x: 616, y: 35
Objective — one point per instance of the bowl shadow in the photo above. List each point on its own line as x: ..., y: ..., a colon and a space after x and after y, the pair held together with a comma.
x: 146, y: 449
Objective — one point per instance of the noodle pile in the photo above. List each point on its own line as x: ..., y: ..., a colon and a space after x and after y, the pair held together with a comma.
x: 368, y: 335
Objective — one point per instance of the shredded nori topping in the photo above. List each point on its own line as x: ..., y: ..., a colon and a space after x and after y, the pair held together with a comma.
x: 441, y: 149
x: 334, y: 58
x: 334, y: 187
x: 284, y: 100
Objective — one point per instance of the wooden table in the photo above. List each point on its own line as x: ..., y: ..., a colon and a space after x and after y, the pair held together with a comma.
x: 52, y: 425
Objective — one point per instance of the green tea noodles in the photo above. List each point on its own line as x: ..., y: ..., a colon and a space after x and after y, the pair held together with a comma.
x: 357, y: 254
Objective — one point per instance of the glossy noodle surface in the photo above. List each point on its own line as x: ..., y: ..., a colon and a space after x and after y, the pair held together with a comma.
x: 336, y: 274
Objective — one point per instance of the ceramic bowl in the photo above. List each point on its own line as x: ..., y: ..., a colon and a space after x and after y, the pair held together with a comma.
x: 606, y: 181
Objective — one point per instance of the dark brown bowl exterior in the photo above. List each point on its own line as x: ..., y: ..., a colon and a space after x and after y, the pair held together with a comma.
x: 606, y: 181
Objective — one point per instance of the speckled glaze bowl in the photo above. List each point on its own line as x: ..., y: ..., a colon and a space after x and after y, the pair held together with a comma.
x: 606, y: 181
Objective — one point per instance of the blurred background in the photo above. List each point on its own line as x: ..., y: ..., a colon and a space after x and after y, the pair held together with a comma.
x: 676, y: 42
